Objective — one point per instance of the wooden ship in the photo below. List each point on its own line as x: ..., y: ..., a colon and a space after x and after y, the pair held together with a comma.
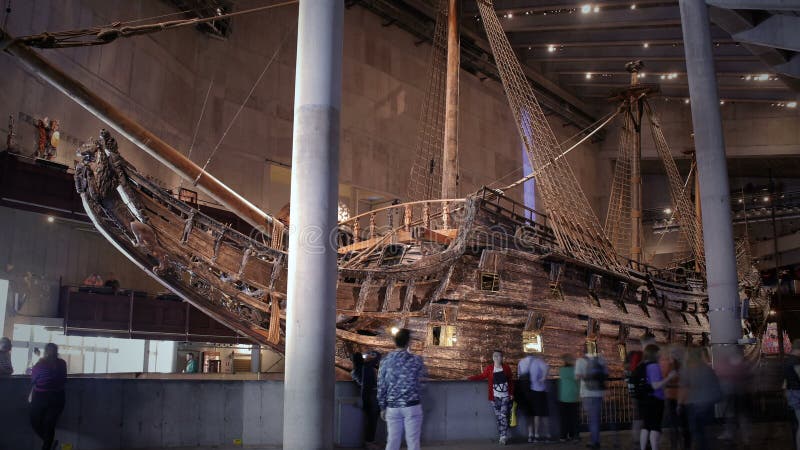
x: 466, y: 275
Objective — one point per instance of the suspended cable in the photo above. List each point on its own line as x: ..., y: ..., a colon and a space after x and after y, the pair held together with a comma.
x: 539, y: 170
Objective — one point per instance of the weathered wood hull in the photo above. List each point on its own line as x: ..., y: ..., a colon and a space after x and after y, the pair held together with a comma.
x: 495, y: 279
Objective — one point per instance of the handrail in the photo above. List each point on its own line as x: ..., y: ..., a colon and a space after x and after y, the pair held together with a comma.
x: 401, y: 205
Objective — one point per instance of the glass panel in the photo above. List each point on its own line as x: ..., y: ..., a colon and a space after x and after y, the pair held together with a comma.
x: 443, y: 336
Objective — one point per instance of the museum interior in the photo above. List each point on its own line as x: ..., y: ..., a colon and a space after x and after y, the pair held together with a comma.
x: 230, y: 215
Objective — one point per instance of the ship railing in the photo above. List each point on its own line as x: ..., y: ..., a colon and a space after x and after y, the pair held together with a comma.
x: 497, y: 203
x: 426, y: 220
x: 678, y: 273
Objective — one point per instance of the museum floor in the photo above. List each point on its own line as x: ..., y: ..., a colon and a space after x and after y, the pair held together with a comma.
x: 772, y: 436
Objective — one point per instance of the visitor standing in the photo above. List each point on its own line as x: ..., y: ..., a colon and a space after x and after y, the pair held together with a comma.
x: 650, y: 396
x: 365, y: 374
x: 536, y: 369
x: 191, y: 364
x: 674, y: 414
x: 698, y: 393
x: 791, y: 377
x: 501, y: 391
x: 5, y: 357
x: 568, y: 399
x: 592, y: 372
x: 49, y: 376
x: 399, y: 380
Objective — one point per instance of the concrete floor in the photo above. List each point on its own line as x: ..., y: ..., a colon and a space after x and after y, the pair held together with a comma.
x: 771, y: 436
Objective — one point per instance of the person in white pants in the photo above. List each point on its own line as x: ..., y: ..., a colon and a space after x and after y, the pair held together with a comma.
x: 399, y: 380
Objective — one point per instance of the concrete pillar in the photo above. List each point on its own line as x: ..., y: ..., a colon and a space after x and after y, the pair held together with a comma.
x: 713, y: 173
x: 311, y: 311
x: 255, y: 358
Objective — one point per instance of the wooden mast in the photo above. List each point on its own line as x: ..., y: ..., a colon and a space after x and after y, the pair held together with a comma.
x: 636, y: 173
x: 450, y: 152
x: 136, y: 133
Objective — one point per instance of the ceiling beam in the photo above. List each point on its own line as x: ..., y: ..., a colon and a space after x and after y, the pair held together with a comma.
x: 522, y: 6
x: 652, y: 43
x: 613, y: 20
x: 654, y: 66
x: 639, y: 52
x: 635, y: 35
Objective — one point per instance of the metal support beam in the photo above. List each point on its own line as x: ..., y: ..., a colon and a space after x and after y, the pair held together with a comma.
x: 724, y: 309
x: 769, y: 5
x: 311, y: 289
x: 778, y: 31
x: 255, y: 358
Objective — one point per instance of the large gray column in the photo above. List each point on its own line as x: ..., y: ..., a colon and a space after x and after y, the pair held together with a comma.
x: 311, y: 312
x: 712, y: 170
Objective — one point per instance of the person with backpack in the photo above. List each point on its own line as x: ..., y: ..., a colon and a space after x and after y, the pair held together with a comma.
x: 592, y: 372
x: 649, y: 390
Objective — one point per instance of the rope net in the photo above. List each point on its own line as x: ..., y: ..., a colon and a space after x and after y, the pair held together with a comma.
x: 574, y: 223
x: 425, y: 182
x: 684, y: 208
x: 618, y: 220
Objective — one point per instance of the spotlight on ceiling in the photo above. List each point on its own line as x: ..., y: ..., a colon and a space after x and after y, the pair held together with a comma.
x: 394, y: 330
x: 722, y: 102
x: 586, y: 9
x: 588, y: 75
x: 667, y: 210
x: 686, y: 101
x: 646, y: 45
x: 633, y: 6
x: 597, y: 9
x: 551, y: 48
x: 51, y: 219
x: 791, y: 105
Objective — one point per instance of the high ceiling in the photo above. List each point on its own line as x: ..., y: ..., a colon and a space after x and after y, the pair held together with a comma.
x: 576, y: 50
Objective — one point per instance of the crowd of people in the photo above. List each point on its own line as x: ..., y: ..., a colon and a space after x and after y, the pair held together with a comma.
x: 672, y: 387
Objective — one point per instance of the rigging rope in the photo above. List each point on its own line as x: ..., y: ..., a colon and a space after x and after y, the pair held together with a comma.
x: 538, y: 171
x: 425, y: 180
x: 109, y: 33
x: 572, y: 219
x: 241, y: 107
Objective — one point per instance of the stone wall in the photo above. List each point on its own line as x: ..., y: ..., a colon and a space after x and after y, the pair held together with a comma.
x: 161, y: 81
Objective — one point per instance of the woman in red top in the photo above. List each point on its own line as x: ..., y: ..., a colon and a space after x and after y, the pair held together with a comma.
x: 501, y: 391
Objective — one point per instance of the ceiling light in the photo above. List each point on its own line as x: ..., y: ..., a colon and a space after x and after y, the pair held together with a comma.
x: 741, y: 201
x: 748, y: 78
x: 586, y: 9
x: 642, y: 75
x: 51, y: 219
x: 668, y: 211
x: 791, y: 105
x: 394, y: 330
x: 633, y: 6
x: 597, y: 9
x: 646, y: 45
x: 527, y: 13
x: 722, y: 102
x: 686, y: 101
x: 663, y: 76
x: 588, y: 75
x: 762, y: 77
x: 766, y: 199
x: 551, y: 48
x: 510, y: 15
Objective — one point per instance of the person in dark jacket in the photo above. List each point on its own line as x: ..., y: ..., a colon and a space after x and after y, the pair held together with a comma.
x: 501, y: 391
x: 49, y: 376
x: 791, y: 380
x: 365, y: 374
